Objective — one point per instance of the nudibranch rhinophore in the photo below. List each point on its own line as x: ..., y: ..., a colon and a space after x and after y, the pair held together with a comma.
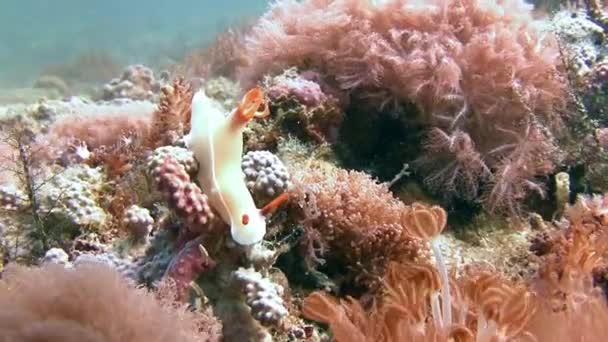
x: 216, y: 140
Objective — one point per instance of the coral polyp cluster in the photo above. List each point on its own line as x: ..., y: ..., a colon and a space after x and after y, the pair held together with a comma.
x: 265, y: 174
x: 345, y: 170
x: 185, y: 196
x: 136, y: 82
x: 138, y: 221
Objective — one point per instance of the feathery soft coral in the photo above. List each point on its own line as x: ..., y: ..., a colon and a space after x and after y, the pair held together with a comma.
x: 476, y: 70
x: 488, y: 308
x: 357, y: 219
x: 439, y: 54
x: 574, y: 304
x: 172, y: 117
x: 91, y: 303
x: 106, y: 126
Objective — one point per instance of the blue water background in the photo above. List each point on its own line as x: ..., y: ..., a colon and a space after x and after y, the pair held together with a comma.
x: 38, y: 33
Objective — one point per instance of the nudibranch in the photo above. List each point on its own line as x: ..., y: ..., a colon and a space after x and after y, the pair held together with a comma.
x: 216, y: 139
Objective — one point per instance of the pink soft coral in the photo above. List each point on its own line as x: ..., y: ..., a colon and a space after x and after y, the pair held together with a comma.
x: 96, y: 127
x: 478, y: 70
x: 91, y: 302
x: 440, y: 55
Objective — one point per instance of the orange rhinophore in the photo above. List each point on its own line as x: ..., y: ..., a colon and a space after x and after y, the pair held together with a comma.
x: 250, y: 105
x: 273, y: 205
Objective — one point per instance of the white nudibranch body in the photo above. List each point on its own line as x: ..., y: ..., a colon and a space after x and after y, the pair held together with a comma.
x: 216, y: 139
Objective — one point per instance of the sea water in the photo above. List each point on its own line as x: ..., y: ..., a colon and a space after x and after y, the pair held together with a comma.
x: 35, y: 34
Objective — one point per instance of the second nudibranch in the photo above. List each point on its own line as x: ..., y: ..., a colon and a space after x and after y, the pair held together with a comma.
x: 216, y: 139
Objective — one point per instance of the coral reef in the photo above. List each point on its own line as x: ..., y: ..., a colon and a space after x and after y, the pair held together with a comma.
x: 123, y: 266
x: 186, y: 265
x: 94, y: 125
x: 290, y: 83
x: 179, y: 154
x: 582, y: 38
x: 487, y: 306
x: 158, y: 255
x: 223, y: 90
x: 469, y: 78
x: 349, y: 170
x: 572, y: 253
x: 137, y: 82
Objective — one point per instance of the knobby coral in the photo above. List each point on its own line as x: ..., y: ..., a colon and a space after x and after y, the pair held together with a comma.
x: 184, y: 195
x: 265, y: 174
x: 136, y: 82
x: 138, y: 221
